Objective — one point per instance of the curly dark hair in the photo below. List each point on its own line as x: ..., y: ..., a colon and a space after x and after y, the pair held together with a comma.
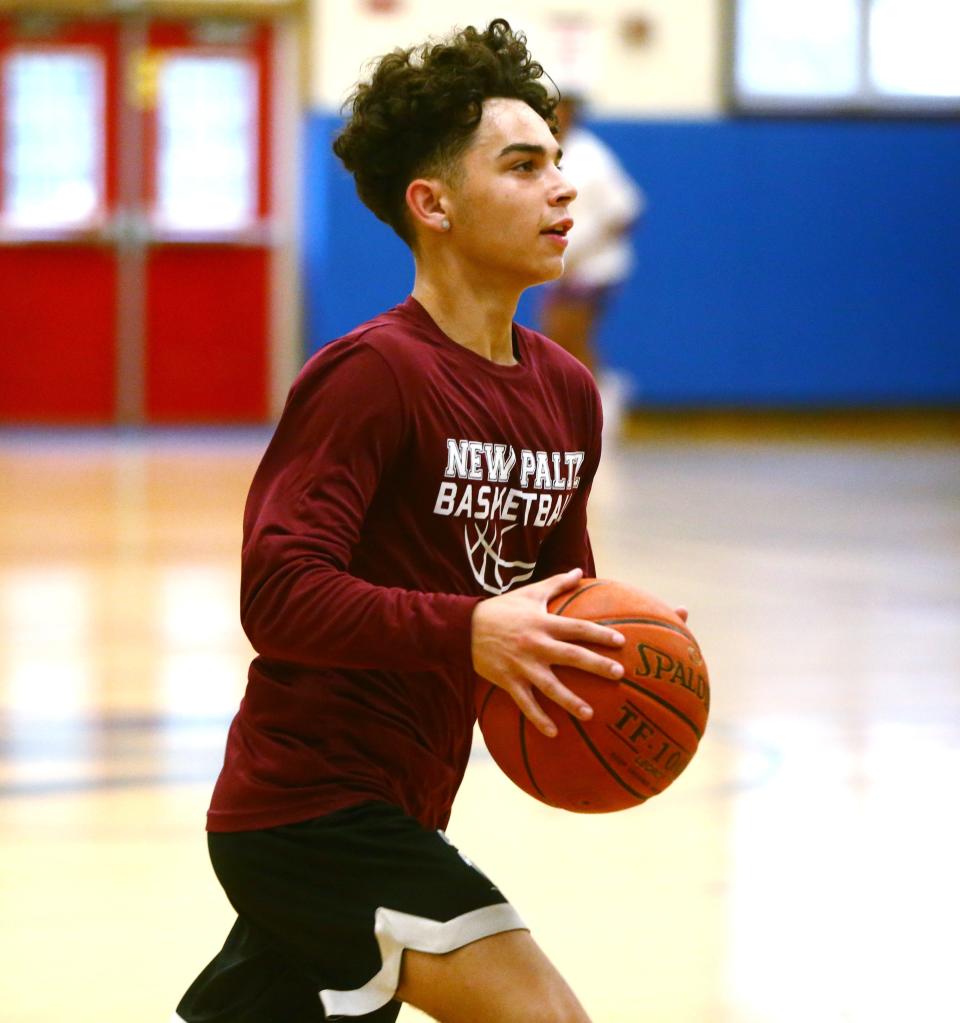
x: 415, y: 115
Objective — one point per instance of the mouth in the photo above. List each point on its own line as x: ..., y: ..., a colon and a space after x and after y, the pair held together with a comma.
x: 557, y: 233
x: 559, y: 229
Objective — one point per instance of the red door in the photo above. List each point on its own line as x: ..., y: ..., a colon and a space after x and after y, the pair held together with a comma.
x: 137, y: 229
x: 207, y: 202
x: 58, y: 197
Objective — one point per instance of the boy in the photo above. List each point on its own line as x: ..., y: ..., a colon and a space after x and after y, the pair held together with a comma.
x: 423, y: 498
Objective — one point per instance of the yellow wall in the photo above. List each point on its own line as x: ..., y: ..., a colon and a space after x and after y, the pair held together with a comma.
x: 676, y: 72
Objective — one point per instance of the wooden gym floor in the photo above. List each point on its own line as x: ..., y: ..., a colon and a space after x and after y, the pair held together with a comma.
x: 803, y: 869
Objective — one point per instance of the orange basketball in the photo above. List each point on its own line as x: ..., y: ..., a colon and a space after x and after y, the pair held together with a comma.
x: 645, y: 727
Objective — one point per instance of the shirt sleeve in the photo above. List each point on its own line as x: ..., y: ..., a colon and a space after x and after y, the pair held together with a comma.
x: 342, y: 429
x: 568, y: 546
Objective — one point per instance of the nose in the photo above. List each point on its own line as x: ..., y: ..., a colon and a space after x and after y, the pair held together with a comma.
x: 564, y: 191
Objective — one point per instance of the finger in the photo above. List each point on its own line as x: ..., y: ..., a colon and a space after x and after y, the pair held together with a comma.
x: 558, y: 584
x: 533, y: 712
x: 552, y: 687
x: 571, y: 655
x: 682, y: 613
x: 582, y: 630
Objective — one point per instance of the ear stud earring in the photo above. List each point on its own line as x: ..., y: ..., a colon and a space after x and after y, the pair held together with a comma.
x: 445, y: 224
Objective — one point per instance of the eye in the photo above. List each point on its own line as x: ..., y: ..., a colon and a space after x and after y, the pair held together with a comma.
x: 527, y: 165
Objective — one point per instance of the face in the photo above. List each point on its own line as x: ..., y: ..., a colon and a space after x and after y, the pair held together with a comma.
x: 508, y: 204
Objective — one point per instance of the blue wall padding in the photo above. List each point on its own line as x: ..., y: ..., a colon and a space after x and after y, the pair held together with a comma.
x: 779, y: 263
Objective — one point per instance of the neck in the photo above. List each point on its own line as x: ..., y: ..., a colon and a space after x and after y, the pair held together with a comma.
x: 468, y: 309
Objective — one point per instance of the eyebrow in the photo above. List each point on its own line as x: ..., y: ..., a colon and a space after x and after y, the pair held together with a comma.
x: 527, y: 147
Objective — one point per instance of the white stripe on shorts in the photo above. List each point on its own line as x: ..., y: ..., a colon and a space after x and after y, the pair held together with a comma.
x: 396, y: 931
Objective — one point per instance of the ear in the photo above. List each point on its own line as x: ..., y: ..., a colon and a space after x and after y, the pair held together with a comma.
x: 426, y: 201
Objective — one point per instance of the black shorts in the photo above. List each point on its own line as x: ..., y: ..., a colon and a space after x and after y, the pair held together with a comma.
x: 326, y: 908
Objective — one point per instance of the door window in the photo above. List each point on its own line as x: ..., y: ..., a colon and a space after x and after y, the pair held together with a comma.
x: 207, y: 153
x: 52, y: 133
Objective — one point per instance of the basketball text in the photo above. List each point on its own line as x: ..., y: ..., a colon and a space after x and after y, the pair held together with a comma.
x: 659, y: 664
x: 494, y: 488
x: 493, y: 463
x: 655, y: 754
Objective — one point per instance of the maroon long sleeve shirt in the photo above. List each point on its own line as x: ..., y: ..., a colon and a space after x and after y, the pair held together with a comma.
x: 408, y: 479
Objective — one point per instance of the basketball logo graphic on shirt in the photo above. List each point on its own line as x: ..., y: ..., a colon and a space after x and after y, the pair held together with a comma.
x: 491, y: 570
x: 496, y: 489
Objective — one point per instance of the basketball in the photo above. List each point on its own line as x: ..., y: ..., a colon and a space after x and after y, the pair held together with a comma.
x: 645, y: 727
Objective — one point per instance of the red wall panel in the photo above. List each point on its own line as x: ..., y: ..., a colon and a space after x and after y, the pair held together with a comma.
x: 207, y: 324
x: 57, y: 328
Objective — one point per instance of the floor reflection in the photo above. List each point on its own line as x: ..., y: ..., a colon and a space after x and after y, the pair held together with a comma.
x: 803, y: 868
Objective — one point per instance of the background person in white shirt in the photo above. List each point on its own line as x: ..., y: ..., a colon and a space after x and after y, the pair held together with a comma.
x: 599, y: 255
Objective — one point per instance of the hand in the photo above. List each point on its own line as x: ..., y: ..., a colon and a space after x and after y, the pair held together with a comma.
x: 516, y: 642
